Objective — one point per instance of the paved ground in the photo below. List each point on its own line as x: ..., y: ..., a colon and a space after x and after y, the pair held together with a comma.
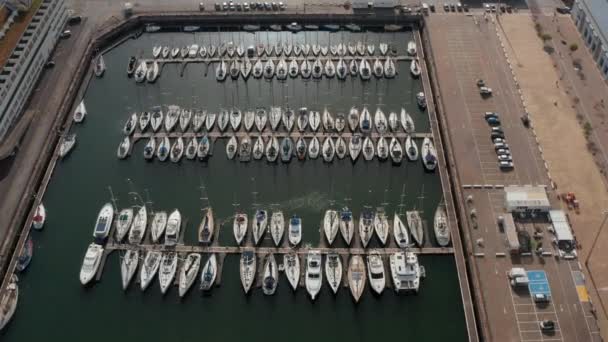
x: 467, y: 48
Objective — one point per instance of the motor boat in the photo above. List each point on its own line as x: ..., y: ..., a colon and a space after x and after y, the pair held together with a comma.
x: 39, y: 217
x: 239, y: 227
x: 104, y: 222
x: 159, y: 224
x: 90, y: 264
x: 421, y: 100
x: 411, y: 48
x: 375, y: 272
x: 314, y: 276
x: 131, y: 65
x: 295, y: 230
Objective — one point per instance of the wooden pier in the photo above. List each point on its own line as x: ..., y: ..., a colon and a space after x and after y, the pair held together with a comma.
x: 346, y: 59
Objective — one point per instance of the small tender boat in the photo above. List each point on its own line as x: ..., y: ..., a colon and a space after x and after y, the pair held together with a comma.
x: 314, y: 120
x: 236, y: 117
x: 209, y: 273
x: 346, y: 225
x: 191, y: 148
x: 248, y: 120
x: 258, y: 69
x: 415, y: 68
x: 39, y: 217
x: 293, y: 68
x: 150, y: 148
x: 184, y: 119
x: 173, y: 228
x: 272, y: 149
x: 153, y: 72
x: 269, y: 69
x: 333, y: 271
x: 188, y: 272
x: 429, y: 155
x: 382, y: 146
x: 291, y: 263
x: 393, y: 122
x: 329, y: 150
x: 260, y: 222
x: 378, y: 68
x: 221, y: 71
x: 141, y: 72
x: 440, y: 226
x: 166, y: 273
x: 282, y: 70
x: 99, y: 66
x: 223, y: 119
x: 380, y: 121
x: 138, y: 227
x: 247, y: 268
x: 389, y: 68
x: 275, y: 117
x: 356, y: 277
x: 210, y: 121
x: 317, y: 69
x: 314, y: 276
x: 286, y: 150
x: 353, y: 67
x: 314, y: 148
x: 204, y: 148
x: 235, y: 69
x: 258, y: 148
x: 90, y: 263
x: 411, y: 48
x: 381, y: 225
x: 206, y: 228
x: 365, y: 121
x: 277, y: 227
x: 414, y: 222
x: 375, y: 272
x: 302, y: 120
x: 395, y: 151
x: 271, y: 275
x: 366, y: 226
x: 239, y: 227
x: 104, y: 222
x: 330, y: 69
x: 306, y: 69
x: 80, y: 112
x: 407, y: 122
x: 405, y: 271
x: 260, y: 119
x: 163, y: 149
x: 130, y: 124
x: 365, y: 70
x: 177, y: 150
x: 368, y: 149
x: 157, y: 119
x: 411, y: 149
x: 128, y: 266
x: 25, y: 256
x: 295, y: 230
x: 159, y: 223
x: 400, y: 232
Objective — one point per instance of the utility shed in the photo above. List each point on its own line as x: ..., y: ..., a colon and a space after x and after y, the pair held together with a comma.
x: 527, y: 199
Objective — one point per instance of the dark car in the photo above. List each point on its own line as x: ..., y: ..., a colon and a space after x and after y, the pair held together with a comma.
x: 493, y: 121
x: 547, y: 325
x: 495, y: 135
x: 73, y: 20
x: 563, y: 10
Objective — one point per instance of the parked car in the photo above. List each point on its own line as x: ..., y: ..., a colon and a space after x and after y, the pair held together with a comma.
x: 501, y: 145
x: 281, y: 6
x: 493, y: 121
x: 497, y: 129
x: 76, y: 19
x: 485, y: 90
x: 490, y: 115
x: 541, y: 298
x: 499, y: 140
x: 453, y: 7
x: 563, y: 10
x: 459, y: 7
x: 505, y: 165
x: 65, y: 34
x: 49, y: 64
x: 547, y: 325
x: 503, y: 151
x: 495, y: 135
x: 505, y: 157
x: 446, y: 7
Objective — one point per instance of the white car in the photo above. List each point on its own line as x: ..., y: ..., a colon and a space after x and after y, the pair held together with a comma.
x: 504, y: 164
x: 485, y: 90
x: 505, y: 157
x: 505, y: 151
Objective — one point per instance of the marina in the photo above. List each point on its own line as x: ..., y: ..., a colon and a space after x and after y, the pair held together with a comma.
x: 307, y: 188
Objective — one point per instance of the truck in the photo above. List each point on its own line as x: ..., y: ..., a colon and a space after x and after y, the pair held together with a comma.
x: 508, y: 226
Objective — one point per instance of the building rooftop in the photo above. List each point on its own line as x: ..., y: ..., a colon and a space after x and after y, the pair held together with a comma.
x: 533, y: 196
x: 599, y: 11
x: 8, y: 43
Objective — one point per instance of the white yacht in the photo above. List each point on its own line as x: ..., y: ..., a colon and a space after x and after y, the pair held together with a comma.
x: 282, y: 70
x: 365, y: 70
x: 395, y: 150
x: 353, y: 67
x: 177, y: 150
x: 232, y: 147
x: 329, y: 150
x: 144, y: 121
x: 159, y: 222
x: 260, y: 119
x: 293, y: 68
x: 342, y: 69
x: 275, y: 117
x: 236, y: 117
x: 347, y: 228
x: 355, y: 146
x: 260, y: 222
x: 415, y: 68
x: 138, y: 228
x: 333, y: 271
x: 223, y: 119
x: 382, y: 146
x: 429, y: 155
x: 272, y: 149
x: 331, y: 225
x: 411, y: 48
x: 128, y: 266
x: 221, y: 71
x: 235, y: 69
x: 247, y: 267
x: 314, y: 120
x: 209, y: 273
x: 375, y: 272
x: 295, y: 230
x: 302, y: 120
x: 356, y: 277
x: 407, y: 122
x: 141, y: 72
x: 328, y: 121
x: 210, y: 121
x: 270, y: 279
x: 125, y: 218
x: 340, y: 148
x: 317, y: 69
x: 90, y: 264
x: 277, y: 227
x: 157, y: 119
x: 8, y: 301
x: 306, y: 69
x: 191, y: 148
x: 393, y: 122
x: 153, y: 72
x: 378, y: 69
x: 80, y: 112
x: 150, y: 148
x: 340, y: 122
x: 258, y: 148
x: 406, y: 272
x: 206, y: 228
x: 411, y: 149
x: 188, y: 272
x: 414, y: 222
x: 246, y: 68
x: 172, y: 231
x: 104, y: 222
x: 381, y: 225
x: 123, y: 148
x: 368, y: 149
x: 258, y: 69
x: 248, y: 120
x: 130, y: 124
x: 330, y: 68
x: 366, y: 226
x: 383, y: 48
x: 149, y: 268
x: 365, y: 121
x: 314, y: 147
x: 441, y: 228
x: 389, y: 68
x: 314, y: 275
x: 166, y: 273
x: 291, y: 264
x: 172, y: 118
x: 239, y: 227
x: 400, y: 232
x: 185, y: 117
x: 380, y: 121
x: 289, y: 119
x: 269, y: 69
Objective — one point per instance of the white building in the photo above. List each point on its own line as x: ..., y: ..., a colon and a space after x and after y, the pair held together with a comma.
x: 20, y: 72
x: 591, y: 19
x: 563, y: 233
x: 526, y: 199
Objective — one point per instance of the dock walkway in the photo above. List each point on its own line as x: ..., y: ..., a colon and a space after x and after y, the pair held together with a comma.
x: 273, y: 58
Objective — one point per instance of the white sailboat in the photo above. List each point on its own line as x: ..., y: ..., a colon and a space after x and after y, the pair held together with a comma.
x: 366, y: 226
x: 368, y: 149
x: 209, y: 273
x: 236, y: 117
x: 306, y: 69
x: 258, y: 69
x: 407, y: 122
x: 381, y: 225
x: 260, y: 119
x: 258, y: 148
x: 393, y: 122
x: 365, y: 121
x: 275, y: 117
x: 149, y: 268
x: 123, y: 148
x: 150, y: 148
x: 411, y: 149
x: 328, y: 121
x: 138, y: 228
x: 153, y: 72
x: 270, y: 279
x: 172, y: 231
x: 429, y: 155
x: 333, y: 271
x: 375, y: 272
x: 191, y: 148
x: 260, y: 222
x: 347, y: 228
x: 247, y: 268
x: 395, y: 151
x: 248, y: 120
x: 314, y: 276
x: 128, y: 266
x: 302, y: 120
x: 177, y: 150
x: 277, y: 227
x: 184, y: 119
x: 159, y: 223
x: 400, y: 232
x: 221, y: 71
x: 389, y: 68
x: 272, y: 149
x: 380, y: 121
x: 223, y: 119
x: 414, y: 222
x: 415, y: 68
x: 125, y: 218
x: 166, y: 273
x: 353, y: 67
x: 314, y: 120
x: 383, y: 151
x: 99, y: 66
x: 355, y: 146
x: 314, y: 148
x: 329, y: 150
x: 90, y: 263
x: 269, y: 69
x: 207, y: 227
x: 239, y: 227
x: 246, y: 68
x: 130, y: 124
x: 378, y: 69
x: 331, y: 225
x: 356, y: 277
x: 188, y: 272
x: 157, y: 119
x: 80, y: 112
x: 353, y: 119
x: 235, y: 69
x: 282, y: 70
x: 232, y: 147
x: 330, y: 68
x: 342, y: 70
x: 293, y: 68
x: 172, y: 118
x: 144, y: 121
x: 440, y: 226
x: 141, y: 71
x: 340, y: 148
x: 317, y: 69
x: 411, y: 48
x: 295, y: 230
x: 365, y: 70
x: 210, y: 121
x: 291, y: 263
x: 289, y: 119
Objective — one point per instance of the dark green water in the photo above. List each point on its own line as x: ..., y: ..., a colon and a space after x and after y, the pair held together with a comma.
x: 55, y: 307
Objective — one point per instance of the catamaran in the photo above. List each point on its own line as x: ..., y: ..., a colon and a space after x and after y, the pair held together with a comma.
x: 405, y: 271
